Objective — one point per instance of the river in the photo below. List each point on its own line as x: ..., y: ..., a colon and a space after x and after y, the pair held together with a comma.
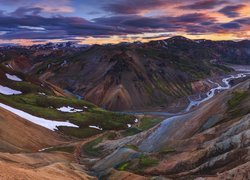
x: 169, y: 126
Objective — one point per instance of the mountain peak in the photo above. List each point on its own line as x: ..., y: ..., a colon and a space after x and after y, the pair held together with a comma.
x: 179, y: 38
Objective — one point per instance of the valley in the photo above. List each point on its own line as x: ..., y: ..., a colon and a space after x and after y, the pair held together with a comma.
x: 172, y: 109
x: 209, y: 137
x: 124, y: 90
x: 158, y: 75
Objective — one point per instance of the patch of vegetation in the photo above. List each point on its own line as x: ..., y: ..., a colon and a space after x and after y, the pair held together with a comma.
x: 148, y: 122
x: 56, y: 102
x: 111, y: 136
x: 45, y: 106
x: 26, y: 87
x: 79, y: 132
x: 91, y: 149
x: 137, y: 165
x: 146, y: 161
x: 131, y: 146
x: 31, y: 103
x: 238, y: 106
x: 123, y: 166
x: 106, y: 119
x: 236, y: 99
x: 224, y: 68
x: 144, y: 124
x: 167, y: 150
x: 130, y: 132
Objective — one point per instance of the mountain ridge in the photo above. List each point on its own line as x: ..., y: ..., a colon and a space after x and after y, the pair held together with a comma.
x: 158, y: 72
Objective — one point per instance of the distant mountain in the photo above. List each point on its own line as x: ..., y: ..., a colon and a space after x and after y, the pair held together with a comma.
x: 129, y: 75
x: 56, y: 46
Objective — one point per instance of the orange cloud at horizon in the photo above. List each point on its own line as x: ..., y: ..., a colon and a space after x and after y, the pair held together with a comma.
x: 117, y: 39
x: 214, y: 37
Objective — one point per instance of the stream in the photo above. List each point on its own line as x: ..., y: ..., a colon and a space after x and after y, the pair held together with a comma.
x: 213, y: 91
x: 176, y: 127
x: 170, y: 125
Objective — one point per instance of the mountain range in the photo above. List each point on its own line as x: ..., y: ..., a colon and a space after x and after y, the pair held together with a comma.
x: 188, y: 103
x: 130, y: 76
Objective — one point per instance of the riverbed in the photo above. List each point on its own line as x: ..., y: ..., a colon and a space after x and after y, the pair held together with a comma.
x: 170, y: 125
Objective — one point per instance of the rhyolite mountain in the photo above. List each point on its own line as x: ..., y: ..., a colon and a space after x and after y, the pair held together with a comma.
x: 129, y: 76
x: 210, y: 141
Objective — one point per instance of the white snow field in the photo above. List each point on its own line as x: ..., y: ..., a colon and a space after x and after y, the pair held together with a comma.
x: 49, y: 124
x: 69, y: 109
x: 95, y: 127
x: 13, y: 77
x: 8, y: 91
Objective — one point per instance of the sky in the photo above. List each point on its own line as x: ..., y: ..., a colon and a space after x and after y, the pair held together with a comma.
x: 28, y: 22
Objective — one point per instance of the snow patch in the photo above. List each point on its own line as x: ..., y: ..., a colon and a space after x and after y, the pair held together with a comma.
x: 44, y: 149
x: 13, y: 77
x: 64, y: 63
x: 49, y: 124
x: 8, y: 91
x: 165, y: 43
x: 69, y: 109
x: 8, y: 66
x: 95, y: 127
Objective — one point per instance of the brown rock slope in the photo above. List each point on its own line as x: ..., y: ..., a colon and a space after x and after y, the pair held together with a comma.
x: 211, y: 141
x: 17, y: 134
x: 40, y: 166
x: 123, y: 76
x: 132, y: 77
x: 129, y: 76
x: 20, y: 141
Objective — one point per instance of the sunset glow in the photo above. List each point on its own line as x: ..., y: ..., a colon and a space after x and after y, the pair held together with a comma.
x: 98, y: 22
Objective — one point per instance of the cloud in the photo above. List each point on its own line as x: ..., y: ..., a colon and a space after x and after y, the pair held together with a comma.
x: 14, y: 2
x: 46, y: 6
x: 232, y: 11
x: 127, y: 19
x: 26, y: 11
x: 167, y: 22
x: 30, y: 25
x: 204, y: 4
x: 136, y: 6
x: 157, y: 36
x: 130, y: 7
x: 231, y: 25
x: 38, y: 27
x: 243, y: 21
x: 55, y: 34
